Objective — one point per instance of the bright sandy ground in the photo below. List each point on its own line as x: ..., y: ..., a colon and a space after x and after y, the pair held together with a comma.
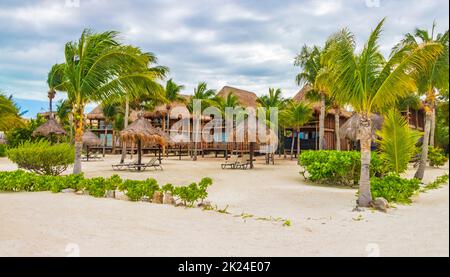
x: 323, y: 224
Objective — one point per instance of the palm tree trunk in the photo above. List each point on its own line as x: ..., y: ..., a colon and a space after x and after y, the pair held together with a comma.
x: 292, y: 145
x: 322, y: 121
x: 105, y: 141
x: 337, y: 128
x: 365, y: 137
x: 125, y: 125
x: 79, y: 114
x: 433, y: 125
x: 426, y: 136
x: 298, y: 142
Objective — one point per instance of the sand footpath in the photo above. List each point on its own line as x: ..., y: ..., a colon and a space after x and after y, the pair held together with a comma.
x: 323, y: 224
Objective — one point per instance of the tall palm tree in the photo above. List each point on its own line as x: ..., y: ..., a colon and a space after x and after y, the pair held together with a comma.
x: 432, y: 80
x: 96, y: 67
x: 201, y: 92
x: 295, y: 115
x: 370, y: 83
x: 10, y: 115
x: 172, y: 94
x: 310, y: 60
x: 64, y: 114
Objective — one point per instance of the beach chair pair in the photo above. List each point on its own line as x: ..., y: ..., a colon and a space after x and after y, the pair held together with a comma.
x: 153, y: 163
x: 237, y: 163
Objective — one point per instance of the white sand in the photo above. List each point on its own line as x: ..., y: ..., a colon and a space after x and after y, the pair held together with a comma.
x: 46, y: 224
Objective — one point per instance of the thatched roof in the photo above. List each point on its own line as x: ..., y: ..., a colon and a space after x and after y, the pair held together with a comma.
x: 349, y: 129
x: 96, y: 113
x: 245, y: 98
x: 258, y: 130
x: 51, y: 127
x: 90, y: 139
x: 142, y: 129
x: 301, y: 97
x: 162, y: 110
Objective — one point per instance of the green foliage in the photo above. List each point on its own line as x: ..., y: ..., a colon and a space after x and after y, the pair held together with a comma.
x: 10, y: 114
x: 42, y: 157
x: 440, y: 180
x: 397, y: 143
x: 19, y: 135
x: 436, y: 156
x: 168, y: 188
x: 393, y: 188
x: 338, y: 167
x: 2, y: 150
x: 193, y: 193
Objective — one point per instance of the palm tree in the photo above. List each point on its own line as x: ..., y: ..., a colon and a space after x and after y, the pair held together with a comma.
x: 201, y: 92
x: 310, y: 59
x: 432, y: 80
x: 370, y: 83
x: 295, y: 115
x: 10, y: 115
x: 54, y: 79
x: 64, y: 114
x: 231, y: 101
x: 109, y: 113
x: 96, y: 67
x: 172, y: 94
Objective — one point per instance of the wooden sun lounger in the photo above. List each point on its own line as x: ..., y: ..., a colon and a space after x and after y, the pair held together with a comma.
x: 153, y: 163
x: 231, y: 162
x: 123, y: 166
x: 244, y: 162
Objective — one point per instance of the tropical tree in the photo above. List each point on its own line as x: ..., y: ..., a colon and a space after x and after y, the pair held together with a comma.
x: 310, y: 60
x: 54, y: 79
x: 231, y: 101
x: 432, y: 81
x: 295, y: 115
x: 172, y: 94
x: 10, y: 115
x: 206, y: 96
x: 397, y: 141
x: 97, y: 67
x: 64, y: 114
x: 370, y: 83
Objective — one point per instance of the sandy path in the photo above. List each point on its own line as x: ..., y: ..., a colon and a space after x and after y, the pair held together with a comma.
x: 42, y: 224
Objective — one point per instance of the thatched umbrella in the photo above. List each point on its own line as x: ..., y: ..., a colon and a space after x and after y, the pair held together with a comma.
x: 49, y: 128
x: 90, y: 139
x: 349, y: 129
x: 247, y: 130
x: 141, y: 131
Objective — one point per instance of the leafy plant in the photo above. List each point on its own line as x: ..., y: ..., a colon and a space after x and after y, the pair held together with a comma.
x: 338, y: 167
x: 136, y: 190
x: 2, y: 150
x: 393, y: 188
x: 397, y: 143
x: 193, y: 193
x: 436, y: 156
x: 440, y: 180
x: 42, y: 157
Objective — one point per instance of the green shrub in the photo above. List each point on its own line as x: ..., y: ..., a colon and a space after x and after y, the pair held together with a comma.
x: 394, y: 188
x: 2, y: 150
x: 436, y: 156
x: 42, y: 157
x: 338, y: 167
x: 193, y: 193
x: 440, y: 180
x: 96, y: 186
x: 136, y: 190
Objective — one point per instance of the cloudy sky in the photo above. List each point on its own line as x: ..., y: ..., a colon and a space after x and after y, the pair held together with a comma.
x: 246, y: 44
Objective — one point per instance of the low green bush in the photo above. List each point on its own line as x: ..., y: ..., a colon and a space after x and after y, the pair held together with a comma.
x: 338, y: 167
x: 437, y: 183
x: 436, y: 156
x: 136, y: 190
x: 2, y: 150
x: 42, y: 157
x: 393, y: 188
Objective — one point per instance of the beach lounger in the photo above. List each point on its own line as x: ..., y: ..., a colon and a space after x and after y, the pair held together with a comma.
x: 153, y: 163
x: 124, y: 165
x: 231, y: 163
x: 244, y: 163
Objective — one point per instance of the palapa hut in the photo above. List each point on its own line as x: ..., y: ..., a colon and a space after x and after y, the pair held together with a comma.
x: 90, y: 140
x: 142, y: 131
x: 49, y: 129
x: 252, y: 132
x: 349, y: 130
x: 245, y: 98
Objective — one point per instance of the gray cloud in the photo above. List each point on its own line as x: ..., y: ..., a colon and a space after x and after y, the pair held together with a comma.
x: 247, y: 44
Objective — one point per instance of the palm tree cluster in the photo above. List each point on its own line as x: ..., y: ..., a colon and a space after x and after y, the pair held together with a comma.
x: 371, y: 83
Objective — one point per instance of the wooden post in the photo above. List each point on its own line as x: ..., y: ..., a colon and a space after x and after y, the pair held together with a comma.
x: 139, y: 144
x: 159, y: 155
x: 252, y: 147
